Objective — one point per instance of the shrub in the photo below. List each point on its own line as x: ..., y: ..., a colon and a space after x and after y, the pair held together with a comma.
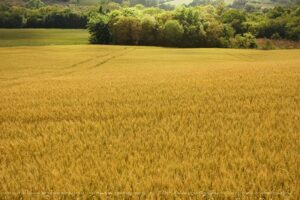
x: 246, y: 40
x: 275, y: 36
x: 268, y: 45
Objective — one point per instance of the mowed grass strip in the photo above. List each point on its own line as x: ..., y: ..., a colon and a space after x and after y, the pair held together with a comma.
x: 144, y: 119
x: 41, y: 37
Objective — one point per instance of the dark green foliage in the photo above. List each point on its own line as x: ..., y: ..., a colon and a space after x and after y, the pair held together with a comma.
x: 149, y: 34
x: 44, y: 17
x: 65, y: 19
x: 236, y: 19
x: 281, y: 23
x: 11, y: 20
x: 126, y: 30
x: 172, y: 33
x: 198, y: 26
x: 98, y: 28
x: 212, y: 25
x: 183, y: 27
x: 246, y: 40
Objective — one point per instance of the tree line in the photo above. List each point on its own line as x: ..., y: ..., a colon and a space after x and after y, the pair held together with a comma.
x: 214, y: 25
x: 37, y: 15
x: 200, y: 26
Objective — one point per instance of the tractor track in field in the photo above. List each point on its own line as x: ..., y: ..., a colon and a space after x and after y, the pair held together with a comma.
x: 243, y: 57
x: 42, y: 73
x: 79, y: 63
x: 125, y: 51
x: 85, y: 61
x: 112, y: 57
x: 73, y: 66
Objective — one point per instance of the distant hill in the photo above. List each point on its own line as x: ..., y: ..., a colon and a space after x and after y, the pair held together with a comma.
x: 23, y: 2
x: 234, y: 3
x: 249, y: 4
x: 262, y: 3
x: 179, y: 2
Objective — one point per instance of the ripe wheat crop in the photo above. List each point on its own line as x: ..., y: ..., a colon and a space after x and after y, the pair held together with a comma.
x: 145, y: 122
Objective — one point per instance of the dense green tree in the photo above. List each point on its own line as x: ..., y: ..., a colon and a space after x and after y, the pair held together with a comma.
x: 271, y: 27
x: 11, y: 20
x: 247, y: 40
x: 34, y: 19
x: 65, y: 19
x: 193, y: 26
x: 99, y: 30
x: 149, y: 31
x: 212, y: 25
x: 127, y: 30
x: 172, y: 33
x: 276, y: 12
x: 236, y: 19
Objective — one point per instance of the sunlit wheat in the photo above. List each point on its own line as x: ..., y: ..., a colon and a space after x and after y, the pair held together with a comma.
x: 144, y: 119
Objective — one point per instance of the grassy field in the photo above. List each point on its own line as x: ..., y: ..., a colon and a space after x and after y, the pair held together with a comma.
x: 149, y: 120
x: 38, y: 37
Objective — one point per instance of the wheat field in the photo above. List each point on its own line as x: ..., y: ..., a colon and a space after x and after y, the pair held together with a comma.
x: 123, y: 122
